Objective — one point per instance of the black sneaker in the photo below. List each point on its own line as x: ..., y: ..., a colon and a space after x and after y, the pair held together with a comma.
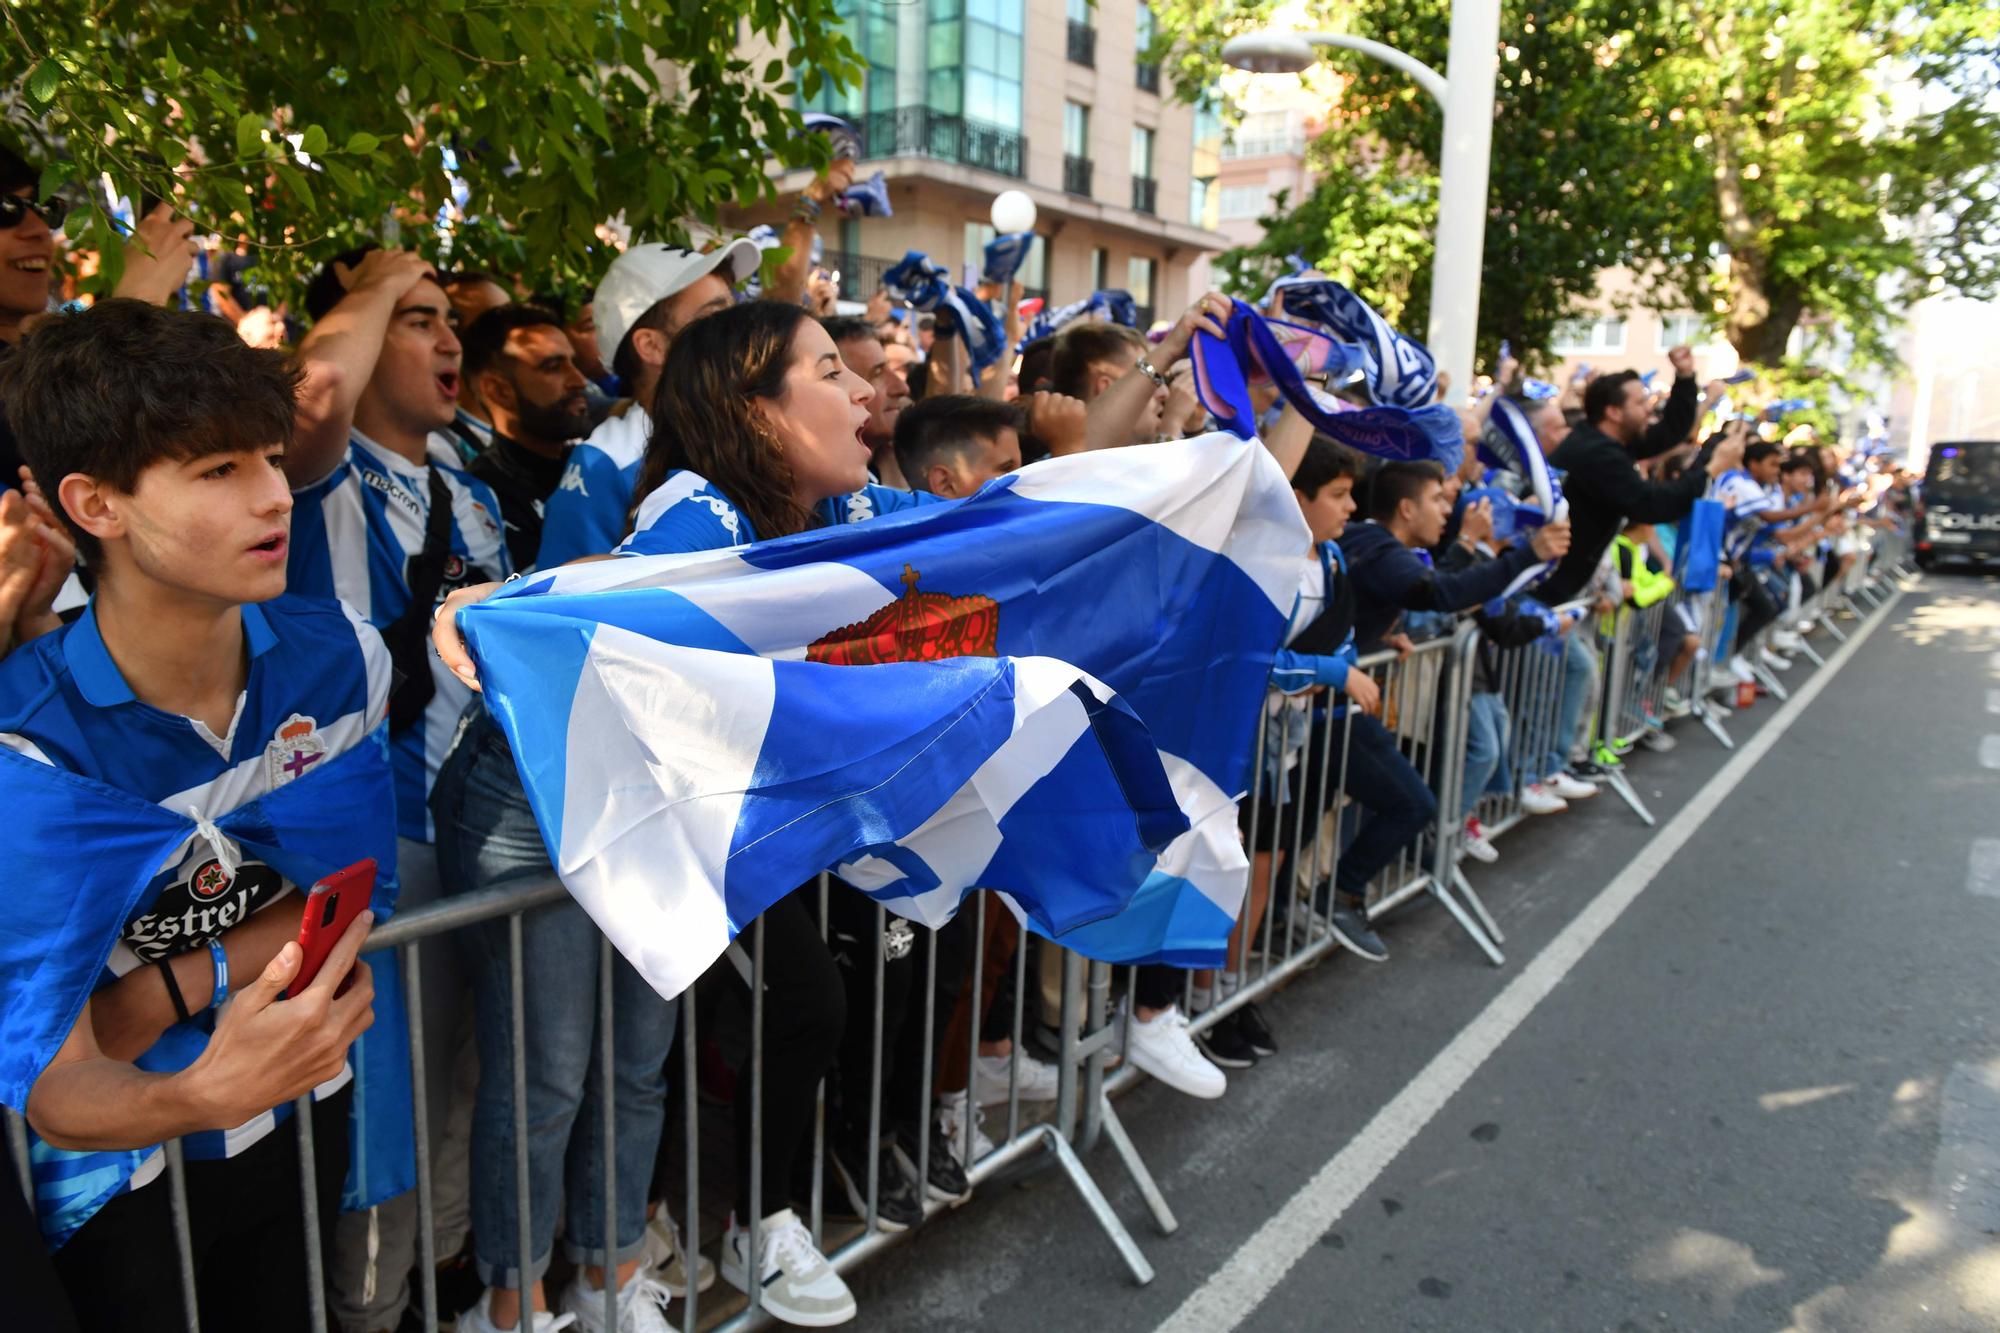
x: 1350, y: 927
x: 845, y: 1195
x: 1250, y: 1023
x: 1226, y: 1046
x: 1588, y: 771
x: 947, y: 1182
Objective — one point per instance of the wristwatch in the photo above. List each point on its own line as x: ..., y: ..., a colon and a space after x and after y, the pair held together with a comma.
x: 1147, y: 369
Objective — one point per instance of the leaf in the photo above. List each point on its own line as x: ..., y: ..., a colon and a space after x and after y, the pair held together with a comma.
x: 42, y: 82
x: 250, y: 135
x: 295, y: 181
x: 313, y: 142
x: 487, y: 39
x: 361, y: 143
x: 170, y: 64
x: 592, y: 111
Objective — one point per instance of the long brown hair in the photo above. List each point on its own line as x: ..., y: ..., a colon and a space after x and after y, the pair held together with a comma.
x: 704, y: 420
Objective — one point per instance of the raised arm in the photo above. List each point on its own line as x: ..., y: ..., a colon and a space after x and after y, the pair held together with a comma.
x: 338, y: 356
x: 1116, y: 412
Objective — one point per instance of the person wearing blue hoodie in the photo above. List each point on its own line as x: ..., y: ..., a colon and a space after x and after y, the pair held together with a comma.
x: 1388, y: 569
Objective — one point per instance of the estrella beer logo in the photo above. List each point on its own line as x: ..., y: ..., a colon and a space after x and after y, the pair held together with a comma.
x: 916, y: 627
x: 209, y: 881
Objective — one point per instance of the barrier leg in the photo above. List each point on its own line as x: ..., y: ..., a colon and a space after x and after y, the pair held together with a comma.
x: 183, y: 1232
x: 1712, y: 722
x: 1805, y: 646
x: 1135, y: 1166
x: 1472, y: 900
x: 1826, y: 623
x: 1444, y: 895
x: 1100, y: 1207
x: 1615, y: 779
x: 1769, y: 680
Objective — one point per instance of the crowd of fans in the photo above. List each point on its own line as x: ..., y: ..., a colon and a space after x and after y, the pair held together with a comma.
x: 233, y: 531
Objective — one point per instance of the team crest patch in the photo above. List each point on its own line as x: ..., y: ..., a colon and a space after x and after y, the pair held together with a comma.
x: 210, y: 881
x: 296, y: 748
x: 454, y: 567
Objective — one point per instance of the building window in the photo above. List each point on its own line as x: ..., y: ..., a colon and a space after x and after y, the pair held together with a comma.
x: 1202, y: 202
x: 1076, y: 129
x: 1581, y: 337
x: 1268, y: 133
x: 1141, y: 276
x: 992, y: 63
x: 1146, y: 75
x: 1100, y: 265
x: 1241, y: 202
x: 1034, y: 271
x: 1683, y: 330
x: 1142, y: 152
x: 1082, y: 37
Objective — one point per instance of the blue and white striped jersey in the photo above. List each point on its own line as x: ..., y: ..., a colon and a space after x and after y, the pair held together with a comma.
x: 318, y: 686
x: 355, y: 533
x: 687, y: 513
x: 586, y: 515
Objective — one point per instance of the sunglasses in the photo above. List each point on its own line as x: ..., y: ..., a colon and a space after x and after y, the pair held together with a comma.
x: 13, y: 209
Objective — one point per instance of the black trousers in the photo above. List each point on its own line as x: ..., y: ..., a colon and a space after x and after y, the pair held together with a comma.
x: 122, y: 1270
x: 1756, y: 607
x: 852, y: 924
x: 805, y: 1012
x: 35, y: 1295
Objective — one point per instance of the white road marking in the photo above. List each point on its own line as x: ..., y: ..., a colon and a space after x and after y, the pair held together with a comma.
x: 1236, y: 1289
x: 1982, y: 875
x: 1989, y: 752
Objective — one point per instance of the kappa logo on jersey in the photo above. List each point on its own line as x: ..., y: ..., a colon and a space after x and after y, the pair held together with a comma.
x: 572, y: 480
x: 296, y: 748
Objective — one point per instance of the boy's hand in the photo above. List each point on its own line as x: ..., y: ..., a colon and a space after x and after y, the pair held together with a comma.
x: 1059, y: 421
x: 445, y: 636
x: 1476, y: 524
x: 1362, y: 689
x: 267, y: 1051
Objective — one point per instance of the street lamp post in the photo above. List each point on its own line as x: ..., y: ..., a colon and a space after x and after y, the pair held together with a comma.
x: 1466, y: 95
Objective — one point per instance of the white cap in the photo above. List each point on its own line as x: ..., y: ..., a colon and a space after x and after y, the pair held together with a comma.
x: 645, y: 275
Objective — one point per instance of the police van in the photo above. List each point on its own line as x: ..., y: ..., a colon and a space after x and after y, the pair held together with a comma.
x: 1958, y: 507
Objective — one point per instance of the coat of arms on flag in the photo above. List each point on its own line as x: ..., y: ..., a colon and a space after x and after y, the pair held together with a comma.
x: 917, y: 627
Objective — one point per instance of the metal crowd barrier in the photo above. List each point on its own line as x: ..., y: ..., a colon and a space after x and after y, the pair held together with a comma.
x: 1426, y: 697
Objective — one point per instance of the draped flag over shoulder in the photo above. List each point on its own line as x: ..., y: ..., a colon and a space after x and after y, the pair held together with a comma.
x: 54, y: 943
x: 1036, y: 690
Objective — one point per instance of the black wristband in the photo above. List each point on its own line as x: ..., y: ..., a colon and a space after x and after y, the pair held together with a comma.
x: 166, y: 967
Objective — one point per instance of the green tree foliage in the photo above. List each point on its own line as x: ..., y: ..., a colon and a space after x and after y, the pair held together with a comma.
x: 1850, y: 150
x: 1797, y: 161
x: 303, y: 127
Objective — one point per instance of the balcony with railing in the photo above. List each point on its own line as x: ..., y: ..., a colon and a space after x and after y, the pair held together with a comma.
x: 920, y: 131
x: 860, y: 275
x: 1145, y: 194
x: 1147, y: 77
x: 1082, y: 44
x: 1076, y: 175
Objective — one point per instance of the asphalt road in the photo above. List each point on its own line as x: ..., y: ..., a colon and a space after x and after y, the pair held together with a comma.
x: 1766, y: 1096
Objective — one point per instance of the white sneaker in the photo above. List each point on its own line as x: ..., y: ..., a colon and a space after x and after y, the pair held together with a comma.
x: 479, y: 1319
x: 1785, y: 641
x: 1739, y: 667
x: 989, y: 1079
x: 1569, y: 788
x: 642, y: 1306
x: 660, y: 1256
x: 950, y: 1118
x: 1163, y: 1048
x: 1775, y: 661
x: 799, y: 1285
x: 1475, y: 844
x: 1537, y: 799
x: 1674, y: 703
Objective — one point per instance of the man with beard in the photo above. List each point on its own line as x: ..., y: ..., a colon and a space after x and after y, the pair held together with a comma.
x: 862, y: 349
x: 525, y: 369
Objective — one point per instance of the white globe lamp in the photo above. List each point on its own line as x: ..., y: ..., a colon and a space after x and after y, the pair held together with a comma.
x: 1013, y: 211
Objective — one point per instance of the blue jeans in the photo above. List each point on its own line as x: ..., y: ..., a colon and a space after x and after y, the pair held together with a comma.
x: 1486, y: 769
x: 1399, y: 805
x: 1579, y: 672
x: 486, y: 838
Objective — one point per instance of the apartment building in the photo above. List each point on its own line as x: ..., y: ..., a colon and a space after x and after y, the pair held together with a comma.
x: 966, y: 98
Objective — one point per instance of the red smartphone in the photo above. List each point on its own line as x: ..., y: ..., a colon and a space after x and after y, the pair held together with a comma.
x: 331, y: 907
